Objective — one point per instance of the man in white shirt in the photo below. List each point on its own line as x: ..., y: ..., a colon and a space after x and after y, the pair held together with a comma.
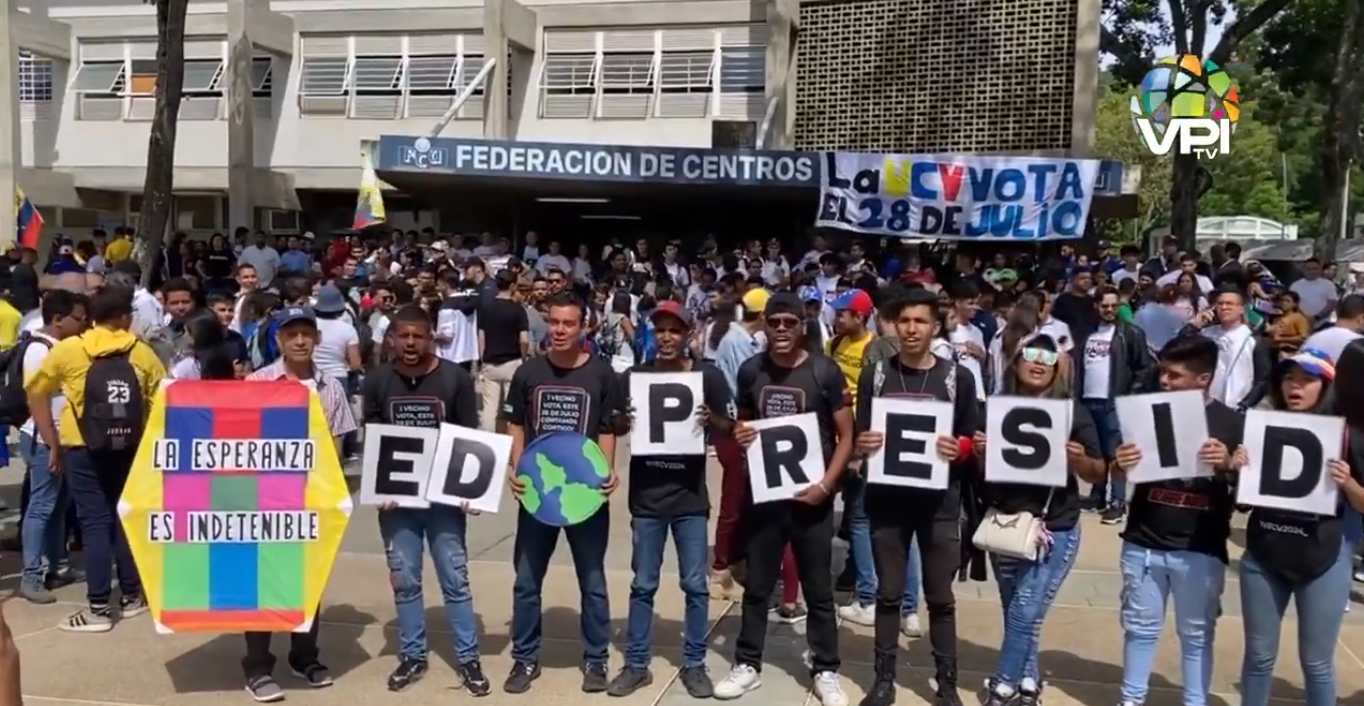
x: 1244, y: 361
x: 1055, y: 328
x: 264, y: 258
x: 1348, y: 327
x: 1188, y: 264
x: 1131, y: 265
x: 1317, y: 294
x: 553, y: 259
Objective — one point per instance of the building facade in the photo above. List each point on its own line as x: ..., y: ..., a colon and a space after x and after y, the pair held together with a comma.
x: 279, y: 95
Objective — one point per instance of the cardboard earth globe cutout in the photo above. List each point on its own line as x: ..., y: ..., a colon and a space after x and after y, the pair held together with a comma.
x: 235, y: 507
x: 563, y: 473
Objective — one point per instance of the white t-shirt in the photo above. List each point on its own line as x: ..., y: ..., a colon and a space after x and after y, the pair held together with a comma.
x: 33, y: 357
x: 1098, y: 364
x: 462, y: 330
x: 1169, y: 278
x: 962, y: 335
x: 1331, y: 341
x: 329, y: 357
x: 185, y: 369
x: 1059, y: 331
x: 545, y: 263
x: 1316, y: 295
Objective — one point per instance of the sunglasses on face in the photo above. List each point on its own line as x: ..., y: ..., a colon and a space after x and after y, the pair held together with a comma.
x: 1041, y: 355
x: 782, y: 323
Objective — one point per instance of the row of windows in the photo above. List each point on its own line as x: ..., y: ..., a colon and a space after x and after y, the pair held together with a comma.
x: 388, y: 75
x: 203, y: 77
x: 732, y: 70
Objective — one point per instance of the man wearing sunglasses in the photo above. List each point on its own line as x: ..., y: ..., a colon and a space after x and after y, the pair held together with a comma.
x: 786, y: 380
x: 897, y: 515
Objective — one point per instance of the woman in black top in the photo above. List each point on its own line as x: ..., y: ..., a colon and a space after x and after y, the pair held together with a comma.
x: 1027, y: 587
x: 1299, y: 555
x: 217, y: 265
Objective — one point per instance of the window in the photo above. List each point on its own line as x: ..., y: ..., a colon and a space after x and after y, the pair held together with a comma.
x: 627, y: 73
x: 35, y: 78
x: 468, y: 71
x: 142, y: 77
x: 685, y: 72
x: 378, y: 75
x: 324, y: 76
x: 195, y: 212
x: 262, y: 77
x: 569, y: 74
x: 105, y: 78
x: 203, y: 76
x: 432, y: 75
x: 743, y: 70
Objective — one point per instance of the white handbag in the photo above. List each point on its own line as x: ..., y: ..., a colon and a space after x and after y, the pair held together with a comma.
x: 1015, y: 535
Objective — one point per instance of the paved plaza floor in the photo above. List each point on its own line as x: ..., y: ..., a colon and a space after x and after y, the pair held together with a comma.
x: 1081, y: 643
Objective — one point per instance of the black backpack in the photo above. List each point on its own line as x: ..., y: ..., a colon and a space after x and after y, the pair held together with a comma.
x: 13, y: 399
x: 114, y: 412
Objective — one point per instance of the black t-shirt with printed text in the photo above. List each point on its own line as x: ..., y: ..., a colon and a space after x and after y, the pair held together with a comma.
x: 768, y: 390
x: 544, y: 398
x: 901, y: 381
x: 1189, y: 515
x: 675, y: 486
x: 1059, y: 507
x: 446, y: 394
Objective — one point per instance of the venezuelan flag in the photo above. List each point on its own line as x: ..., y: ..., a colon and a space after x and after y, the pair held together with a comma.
x: 29, y: 221
x: 369, y: 207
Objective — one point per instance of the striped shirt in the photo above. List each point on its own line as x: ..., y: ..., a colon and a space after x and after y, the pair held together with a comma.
x: 334, y: 403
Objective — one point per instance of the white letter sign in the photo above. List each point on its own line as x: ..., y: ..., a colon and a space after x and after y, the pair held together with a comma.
x: 1288, y: 453
x: 1169, y: 448
x: 665, y: 414
x: 785, y: 458
x: 469, y: 468
x: 1026, y: 440
x: 908, y: 456
x: 396, y: 464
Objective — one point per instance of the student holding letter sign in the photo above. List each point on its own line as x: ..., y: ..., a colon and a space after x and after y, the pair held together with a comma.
x: 906, y: 499
x: 1031, y: 528
x: 422, y: 391
x: 788, y: 381
x: 668, y: 494
x: 1175, y: 542
x: 1302, y: 555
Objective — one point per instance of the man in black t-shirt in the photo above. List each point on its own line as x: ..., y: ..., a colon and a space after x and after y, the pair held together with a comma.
x: 503, y: 340
x: 669, y: 493
x: 566, y: 389
x: 418, y: 389
x: 1175, y: 542
x: 787, y: 380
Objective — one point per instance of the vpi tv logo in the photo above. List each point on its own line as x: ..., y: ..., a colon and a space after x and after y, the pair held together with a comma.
x: 423, y: 156
x: 1189, y: 104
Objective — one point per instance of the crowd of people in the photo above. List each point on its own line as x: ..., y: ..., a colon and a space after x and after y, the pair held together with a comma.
x: 385, y: 320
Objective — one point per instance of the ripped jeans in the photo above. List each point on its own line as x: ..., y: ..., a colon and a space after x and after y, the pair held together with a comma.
x: 404, y: 531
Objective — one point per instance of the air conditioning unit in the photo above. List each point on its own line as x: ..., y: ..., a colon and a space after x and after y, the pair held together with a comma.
x: 277, y: 221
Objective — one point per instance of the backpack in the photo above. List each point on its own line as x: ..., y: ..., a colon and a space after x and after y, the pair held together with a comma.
x: 878, y: 379
x: 13, y: 399
x: 114, y: 412
x: 260, y: 345
x: 646, y: 349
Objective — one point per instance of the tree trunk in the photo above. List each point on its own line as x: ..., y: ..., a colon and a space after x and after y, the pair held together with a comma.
x: 158, y: 190
x: 1339, y: 141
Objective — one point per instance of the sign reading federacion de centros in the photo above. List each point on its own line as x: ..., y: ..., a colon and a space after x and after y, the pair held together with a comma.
x: 957, y: 197
x: 617, y: 163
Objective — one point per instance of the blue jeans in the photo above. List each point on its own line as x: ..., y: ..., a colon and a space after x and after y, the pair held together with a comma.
x: 1105, y: 415
x: 44, y: 523
x: 96, y: 483
x: 535, y: 544
x: 855, y: 503
x: 1264, y: 598
x: 692, y: 540
x: 1150, y: 579
x: 1026, y: 591
x: 404, y: 531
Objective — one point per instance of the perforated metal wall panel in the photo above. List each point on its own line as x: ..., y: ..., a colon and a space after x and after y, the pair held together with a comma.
x: 935, y: 75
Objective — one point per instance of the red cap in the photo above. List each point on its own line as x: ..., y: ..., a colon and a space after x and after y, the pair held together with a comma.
x: 854, y: 300
x: 668, y: 307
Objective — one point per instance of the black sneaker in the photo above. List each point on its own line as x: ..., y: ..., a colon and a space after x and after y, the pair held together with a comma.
x: 882, y: 693
x: 1113, y: 514
x: 57, y: 579
x: 594, y: 678
x: 409, y: 672
x: 1030, y: 698
x: 316, y: 674
x: 696, y: 680
x: 522, y: 674
x: 627, y: 681
x: 1092, y: 504
x: 790, y: 615
x: 264, y: 690
x: 475, y: 682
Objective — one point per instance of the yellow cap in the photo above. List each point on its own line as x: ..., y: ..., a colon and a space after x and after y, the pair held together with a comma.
x: 756, y: 300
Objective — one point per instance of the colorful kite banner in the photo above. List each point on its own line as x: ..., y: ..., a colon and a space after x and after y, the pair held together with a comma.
x: 235, y: 507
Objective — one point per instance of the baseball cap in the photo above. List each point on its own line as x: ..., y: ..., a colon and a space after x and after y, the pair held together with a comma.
x: 809, y: 294
x: 854, y: 300
x: 292, y: 314
x: 1313, y: 362
x: 669, y: 307
x: 755, y: 300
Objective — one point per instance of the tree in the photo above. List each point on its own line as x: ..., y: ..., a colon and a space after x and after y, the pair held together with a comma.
x: 1134, y: 29
x: 158, y: 189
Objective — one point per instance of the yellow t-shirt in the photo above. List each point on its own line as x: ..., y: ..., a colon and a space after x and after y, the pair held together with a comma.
x: 9, y: 325
x: 120, y: 249
x: 848, y: 355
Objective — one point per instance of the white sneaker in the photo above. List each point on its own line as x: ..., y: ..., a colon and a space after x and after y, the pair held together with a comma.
x: 910, y: 627
x: 740, y: 680
x: 829, y: 689
x: 858, y: 614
